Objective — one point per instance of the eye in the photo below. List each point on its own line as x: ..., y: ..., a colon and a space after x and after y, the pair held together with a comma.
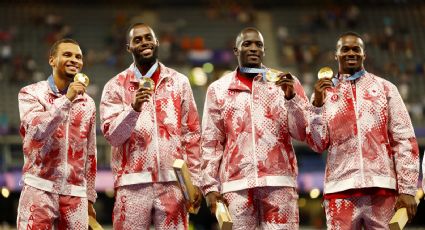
x: 260, y: 44
x: 344, y: 49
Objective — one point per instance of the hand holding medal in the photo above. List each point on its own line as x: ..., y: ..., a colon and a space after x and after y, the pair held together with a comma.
x: 144, y: 93
x: 284, y: 80
x: 147, y: 83
x: 325, y: 72
x: 82, y: 78
x: 324, y: 75
x: 78, y: 87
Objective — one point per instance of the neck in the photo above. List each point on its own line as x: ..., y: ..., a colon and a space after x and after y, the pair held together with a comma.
x: 249, y: 75
x: 61, y: 82
x: 350, y: 71
x: 144, y: 67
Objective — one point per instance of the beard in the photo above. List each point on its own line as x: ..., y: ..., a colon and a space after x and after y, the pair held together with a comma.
x: 146, y: 61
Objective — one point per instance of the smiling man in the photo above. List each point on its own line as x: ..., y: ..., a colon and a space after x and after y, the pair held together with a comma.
x: 148, y: 129
x: 373, y: 158
x: 247, y: 130
x: 59, y: 144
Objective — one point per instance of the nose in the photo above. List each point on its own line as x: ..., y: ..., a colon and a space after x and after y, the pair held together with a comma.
x: 351, y: 52
x: 253, y: 48
x: 74, y: 59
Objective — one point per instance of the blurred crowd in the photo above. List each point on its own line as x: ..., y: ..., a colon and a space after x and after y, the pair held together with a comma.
x: 304, y: 47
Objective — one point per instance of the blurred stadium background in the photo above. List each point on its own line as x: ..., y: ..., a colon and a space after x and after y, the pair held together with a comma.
x: 196, y: 38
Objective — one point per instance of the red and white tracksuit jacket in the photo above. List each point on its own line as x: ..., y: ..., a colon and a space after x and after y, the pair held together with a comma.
x: 423, y: 173
x: 145, y: 144
x: 368, y: 133
x: 246, y: 136
x: 59, y: 141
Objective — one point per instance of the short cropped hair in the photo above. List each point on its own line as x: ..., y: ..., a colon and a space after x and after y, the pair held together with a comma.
x: 131, y: 27
x: 54, y: 48
x: 350, y: 33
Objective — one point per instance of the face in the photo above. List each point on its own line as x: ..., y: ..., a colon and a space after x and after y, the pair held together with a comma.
x: 68, y: 61
x: 143, y: 45
x: 249, y: 49
x: 350, y: 54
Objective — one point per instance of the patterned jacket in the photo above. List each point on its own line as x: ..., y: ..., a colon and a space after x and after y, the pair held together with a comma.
x: 369, y: 137
x: 247, y: 136
x: 59, y: 141
x: 145, y: 144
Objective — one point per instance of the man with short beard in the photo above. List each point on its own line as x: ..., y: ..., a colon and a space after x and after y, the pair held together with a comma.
x: 247, y: 130
x: 59, y: 145
x: 148, y: 129
x: 372, y: 165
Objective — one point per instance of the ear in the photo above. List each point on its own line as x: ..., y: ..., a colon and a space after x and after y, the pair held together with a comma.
x: 128, y: 48
x: 336, y: 57
x: 52, y: 61
x: 157, y: 42
x: 235, y: 51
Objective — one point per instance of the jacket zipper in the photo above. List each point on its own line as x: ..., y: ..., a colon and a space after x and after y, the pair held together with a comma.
x: 354, y: 95
x: 253, y: 133
x: 66, y: 152
x: 158, y: 159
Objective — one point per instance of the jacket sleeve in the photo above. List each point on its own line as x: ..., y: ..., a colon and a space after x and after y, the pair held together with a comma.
x: 117, y: 119
x: 91, y: 161
x: 423, y: 172
x: 317, y: 134
x: 191, y: 133
x: 212, y: 143
x: 403, y: 143
x: 297, y: 122
x: 37, y: 123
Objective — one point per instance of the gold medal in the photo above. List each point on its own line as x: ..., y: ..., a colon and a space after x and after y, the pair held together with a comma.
x: 272, y: 75
x: 147, y: 82
x: 80, y: 77
x: 325, y: 72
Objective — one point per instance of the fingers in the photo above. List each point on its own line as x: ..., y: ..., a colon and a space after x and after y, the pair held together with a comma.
x: 211, y: 199
x: 142, y: 95
x: 408, y: 202
x: 323, y: 84
x: 224, y: 201
x: 78, y: 88
x: 411, y: 211
x: 285, y: 79
x: 212, y: 204
x: 198, y: 199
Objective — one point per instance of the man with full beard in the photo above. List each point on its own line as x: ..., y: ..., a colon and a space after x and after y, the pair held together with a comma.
x: 148, y: 129
x: 373, y: 158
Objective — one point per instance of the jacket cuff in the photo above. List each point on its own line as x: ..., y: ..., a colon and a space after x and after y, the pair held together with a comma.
x: 92, y: 196
x: 207, y: 189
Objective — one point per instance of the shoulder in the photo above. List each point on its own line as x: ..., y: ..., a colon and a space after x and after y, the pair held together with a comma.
x: 35, y: 88
x: 118, y: 80
x: 387, y: 85
x: 223, y: 82
x: 170, y: 72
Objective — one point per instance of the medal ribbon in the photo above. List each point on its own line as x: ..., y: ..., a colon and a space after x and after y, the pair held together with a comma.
x: 350, y: 78
x: 254, y: 70
x: 149, y: 74
x: 54, y: 88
